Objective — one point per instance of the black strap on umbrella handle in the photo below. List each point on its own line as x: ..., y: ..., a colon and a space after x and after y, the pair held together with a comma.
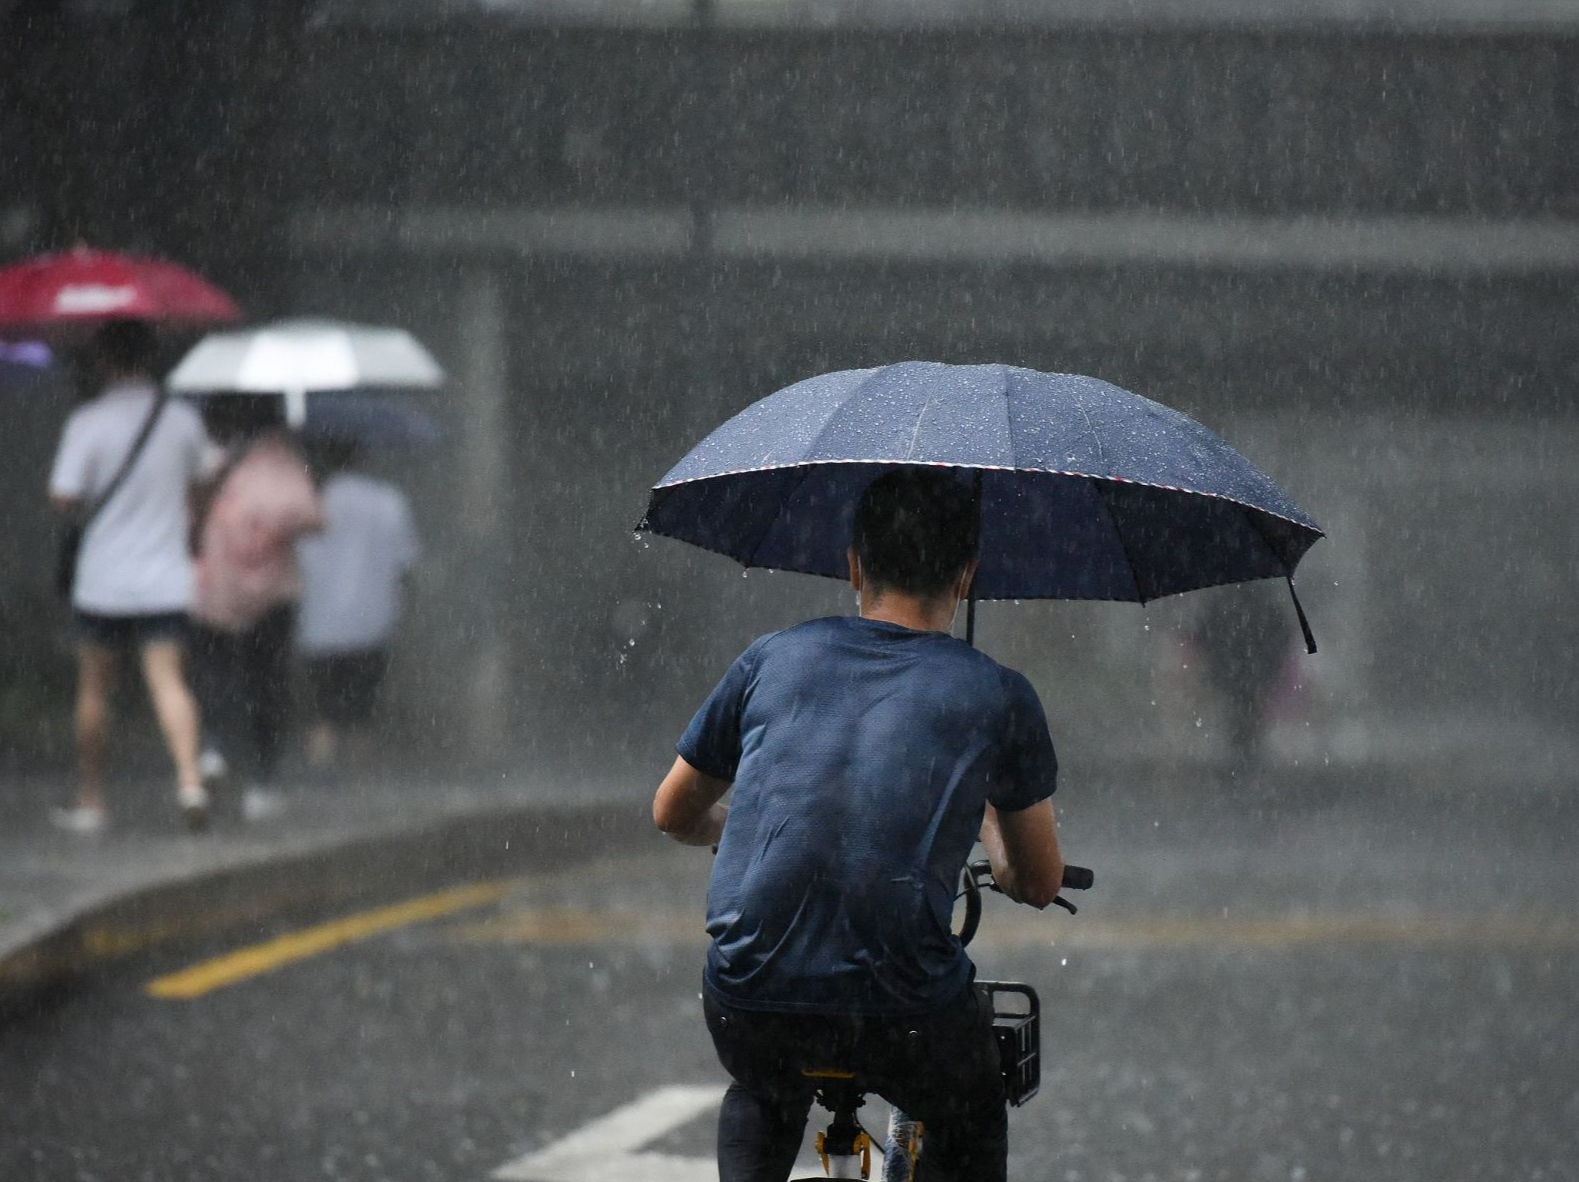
x: 1304, y: 624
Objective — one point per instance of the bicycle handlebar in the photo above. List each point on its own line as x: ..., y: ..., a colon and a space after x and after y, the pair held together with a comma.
x: 1077, y: 878
x: 979, y: 873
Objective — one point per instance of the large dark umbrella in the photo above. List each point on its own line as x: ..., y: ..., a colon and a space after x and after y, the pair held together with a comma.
x: 1087, y: 491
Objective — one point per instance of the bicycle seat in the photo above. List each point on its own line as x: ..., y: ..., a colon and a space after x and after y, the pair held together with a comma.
x: 840, y: 1086
x: 842, y: 1091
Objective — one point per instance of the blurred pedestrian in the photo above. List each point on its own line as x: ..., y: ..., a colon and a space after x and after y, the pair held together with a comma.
x: 353, y: 575
x: 248, y: 584
x: 1241, y: 637
x: 127, y: 461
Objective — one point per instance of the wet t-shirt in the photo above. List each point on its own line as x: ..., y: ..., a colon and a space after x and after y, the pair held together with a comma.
x: 863, y: 755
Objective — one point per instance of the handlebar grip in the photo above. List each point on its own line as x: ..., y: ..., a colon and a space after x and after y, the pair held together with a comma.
x: 1077, y: 878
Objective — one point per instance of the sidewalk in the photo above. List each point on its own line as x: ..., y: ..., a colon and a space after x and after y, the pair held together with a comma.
x: 67, y: 900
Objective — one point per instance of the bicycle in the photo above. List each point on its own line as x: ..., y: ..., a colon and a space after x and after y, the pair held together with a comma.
x: 846, y: 1148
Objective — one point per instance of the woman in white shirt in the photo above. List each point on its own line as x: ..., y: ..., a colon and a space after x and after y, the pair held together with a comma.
x: 134, y: 574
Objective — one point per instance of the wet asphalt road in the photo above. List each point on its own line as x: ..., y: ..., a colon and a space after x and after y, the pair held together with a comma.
x: 1311, y: 980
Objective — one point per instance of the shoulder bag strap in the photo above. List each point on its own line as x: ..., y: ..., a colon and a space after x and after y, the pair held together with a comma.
x: 162, y: 397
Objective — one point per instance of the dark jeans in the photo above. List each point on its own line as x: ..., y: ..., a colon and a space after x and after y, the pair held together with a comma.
x: 243, y: 686
x: 344, y: 686
x: 940, y: 1067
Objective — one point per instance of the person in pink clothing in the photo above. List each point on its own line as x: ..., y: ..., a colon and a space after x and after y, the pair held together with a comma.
x: 247, y: 587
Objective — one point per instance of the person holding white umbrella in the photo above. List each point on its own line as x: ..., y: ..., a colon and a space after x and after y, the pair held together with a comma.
x: 338, y: 384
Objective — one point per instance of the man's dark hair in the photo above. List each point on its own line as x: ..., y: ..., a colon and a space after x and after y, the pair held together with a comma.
x: 916, y: 530
x: 125, y: 347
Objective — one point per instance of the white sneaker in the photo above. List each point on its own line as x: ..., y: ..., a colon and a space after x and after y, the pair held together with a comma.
x: 261, y: 804
x: 212, y: 768
x: 86, y: 819
x: 193, y: 800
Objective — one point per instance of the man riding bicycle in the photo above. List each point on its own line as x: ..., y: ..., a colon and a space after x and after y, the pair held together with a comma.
x: 866, y: 755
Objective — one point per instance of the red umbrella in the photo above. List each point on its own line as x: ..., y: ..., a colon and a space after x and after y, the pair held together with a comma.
x: 85, y: 287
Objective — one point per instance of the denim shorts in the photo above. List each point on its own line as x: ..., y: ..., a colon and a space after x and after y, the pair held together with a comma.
x: 130, y: 631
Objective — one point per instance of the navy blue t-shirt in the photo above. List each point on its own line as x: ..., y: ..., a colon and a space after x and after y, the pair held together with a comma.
x: 863, y: 755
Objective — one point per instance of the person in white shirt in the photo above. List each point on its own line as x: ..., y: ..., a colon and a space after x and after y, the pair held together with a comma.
x: 133, y: 582
x: 352, y: 576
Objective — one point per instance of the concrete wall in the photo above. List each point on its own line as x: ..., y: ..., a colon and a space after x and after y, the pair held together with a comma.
x: 1440, y: 473
x: 1352, y: 252
x: 1073, y: 118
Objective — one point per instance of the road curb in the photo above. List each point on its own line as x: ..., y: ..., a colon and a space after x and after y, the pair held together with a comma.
x: 344, y: 870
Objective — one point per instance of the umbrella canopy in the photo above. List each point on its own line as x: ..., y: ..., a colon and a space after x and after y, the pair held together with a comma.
x: 83, y: 287
x: 299, y: 357
x: 1087, y: 491
x: 376, y: 420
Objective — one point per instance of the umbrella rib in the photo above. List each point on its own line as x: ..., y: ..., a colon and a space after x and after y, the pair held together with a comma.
x: 1129, y: 561
x: 1260, y: 533
x: 1096, y: 437
x: 756, y: 546
x: 1107, y: 504
x: 915, y: 431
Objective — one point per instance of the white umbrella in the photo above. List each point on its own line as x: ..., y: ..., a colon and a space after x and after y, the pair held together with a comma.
x: 298, y: 357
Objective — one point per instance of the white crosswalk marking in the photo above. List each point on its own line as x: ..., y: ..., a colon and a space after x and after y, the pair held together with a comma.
x: 608, y: 1149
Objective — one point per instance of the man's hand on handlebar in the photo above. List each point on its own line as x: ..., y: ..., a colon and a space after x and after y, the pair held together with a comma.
x: 1075, y: 878
x: 1023, y: 848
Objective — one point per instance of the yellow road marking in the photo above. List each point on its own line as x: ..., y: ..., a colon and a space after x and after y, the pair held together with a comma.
x: 294, y: 946
x: 574, y: 925
x: 570, y: 925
